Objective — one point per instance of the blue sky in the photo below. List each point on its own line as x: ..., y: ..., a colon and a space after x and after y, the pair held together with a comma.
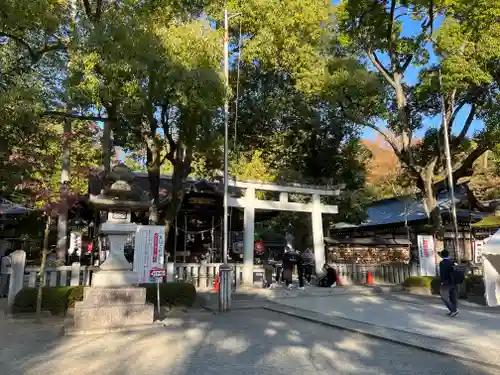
x: 411, y: 28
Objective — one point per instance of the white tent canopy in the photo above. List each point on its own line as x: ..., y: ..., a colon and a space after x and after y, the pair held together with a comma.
x: 491, y: 269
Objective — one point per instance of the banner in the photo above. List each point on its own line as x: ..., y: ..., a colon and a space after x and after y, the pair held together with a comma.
x: 427, y: 255
x: 149, y: 251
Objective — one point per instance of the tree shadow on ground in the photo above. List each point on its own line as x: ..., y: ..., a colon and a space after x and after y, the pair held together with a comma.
x: 239, y: 342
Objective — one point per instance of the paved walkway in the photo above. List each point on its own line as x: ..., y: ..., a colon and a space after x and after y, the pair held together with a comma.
x: 474, y: 327
x: 239, y: 342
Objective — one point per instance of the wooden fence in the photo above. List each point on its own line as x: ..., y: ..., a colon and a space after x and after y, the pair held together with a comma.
x: 383, y: 274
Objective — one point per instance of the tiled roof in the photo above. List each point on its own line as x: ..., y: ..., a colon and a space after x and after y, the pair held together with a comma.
x: 397, y: 210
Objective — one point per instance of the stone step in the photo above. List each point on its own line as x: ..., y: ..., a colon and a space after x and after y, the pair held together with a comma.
x: 112, y: 316
x: 114, y: 296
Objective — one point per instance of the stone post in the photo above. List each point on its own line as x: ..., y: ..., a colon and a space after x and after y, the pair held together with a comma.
x: 225, y: 287
x: 317, y: 228
x: 248, y: 240
x: 18, y: 259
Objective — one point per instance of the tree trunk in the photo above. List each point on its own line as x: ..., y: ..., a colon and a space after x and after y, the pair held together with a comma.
x: 153, y: 162
x: 41, y: 283
x: 106, y: 148
x: 430, y: 203
x: 62, y: 221
x: 182, y: 168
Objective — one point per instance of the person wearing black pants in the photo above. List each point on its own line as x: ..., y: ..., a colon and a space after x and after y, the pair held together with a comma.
x: 308, y: 265
x: 290, y: 259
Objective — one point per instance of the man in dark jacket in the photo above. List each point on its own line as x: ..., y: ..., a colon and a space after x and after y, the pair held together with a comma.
x: 448, y: 288
x: 292, y: 258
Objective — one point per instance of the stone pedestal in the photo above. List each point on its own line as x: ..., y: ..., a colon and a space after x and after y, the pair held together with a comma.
x: 112, y: 310
x: 114, y: 302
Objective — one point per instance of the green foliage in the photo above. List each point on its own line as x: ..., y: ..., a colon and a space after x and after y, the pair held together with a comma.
x: 474, y: 285
x: 176, y: 294
x: 58, y: 299
x: 54, y: 299
x: 418, y: 281
x: 431, y: 282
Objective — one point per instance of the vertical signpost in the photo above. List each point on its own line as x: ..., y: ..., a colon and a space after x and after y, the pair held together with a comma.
x: 426, y: 253
x: 149, y: 256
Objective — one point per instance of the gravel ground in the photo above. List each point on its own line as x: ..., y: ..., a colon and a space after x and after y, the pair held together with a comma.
x: 199, y: 343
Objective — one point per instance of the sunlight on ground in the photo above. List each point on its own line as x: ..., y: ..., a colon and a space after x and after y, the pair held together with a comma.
x: 270, y: 332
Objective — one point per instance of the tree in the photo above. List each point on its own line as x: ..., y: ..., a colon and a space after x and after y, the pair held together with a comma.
x: 466, y: 47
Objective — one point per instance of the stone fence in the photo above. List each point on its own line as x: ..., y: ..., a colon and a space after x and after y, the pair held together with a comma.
x: 202, y: 276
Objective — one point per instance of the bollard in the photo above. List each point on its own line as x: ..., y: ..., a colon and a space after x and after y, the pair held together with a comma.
x: 225, y: 288
x: 369, y: 278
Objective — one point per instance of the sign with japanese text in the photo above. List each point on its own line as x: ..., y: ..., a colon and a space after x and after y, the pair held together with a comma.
x: 427, y: 255
x: 149, y: 252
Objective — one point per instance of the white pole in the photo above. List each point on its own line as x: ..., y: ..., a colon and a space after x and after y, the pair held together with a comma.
x: 449, y: 170
x: 225, y: 287
x: 226, y: 136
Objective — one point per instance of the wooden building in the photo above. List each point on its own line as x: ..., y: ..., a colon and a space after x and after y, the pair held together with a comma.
x: 389, y: 233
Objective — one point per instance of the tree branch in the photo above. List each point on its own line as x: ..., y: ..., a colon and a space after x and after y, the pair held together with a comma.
x: 464, y: 169
x: 465, y: 129
x: 380, y: 67
x: 390, y: 36
x: 88, y: 9
x: 78, y: 117
x: 20, y: 41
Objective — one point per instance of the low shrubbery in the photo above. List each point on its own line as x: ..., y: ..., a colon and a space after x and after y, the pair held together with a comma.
x: 474, y: 283
x: 54, y: 299
x: 177, y: 294
x: 418, y: 281
x: 58, y: 299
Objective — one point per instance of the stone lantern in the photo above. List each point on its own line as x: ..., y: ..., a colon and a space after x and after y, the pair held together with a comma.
x: 115, y: 302
x: 119, y: 198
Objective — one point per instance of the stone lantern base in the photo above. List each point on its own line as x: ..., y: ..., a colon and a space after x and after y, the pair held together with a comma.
x: 106, y: 310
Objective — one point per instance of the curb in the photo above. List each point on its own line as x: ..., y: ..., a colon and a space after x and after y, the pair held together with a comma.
x: 390, y: 335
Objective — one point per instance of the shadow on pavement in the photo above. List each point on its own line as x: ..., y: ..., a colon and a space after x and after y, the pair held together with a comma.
x: 239, y: 342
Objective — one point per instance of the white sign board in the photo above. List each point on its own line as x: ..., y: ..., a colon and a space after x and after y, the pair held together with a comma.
x: 478, y: 251
x: 427, y: 255
x: 149, y: 251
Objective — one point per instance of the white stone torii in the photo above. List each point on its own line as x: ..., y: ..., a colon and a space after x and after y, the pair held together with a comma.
x: 250, y: 203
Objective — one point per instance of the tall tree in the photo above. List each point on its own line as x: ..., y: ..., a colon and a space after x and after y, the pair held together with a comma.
x: 377, y: 32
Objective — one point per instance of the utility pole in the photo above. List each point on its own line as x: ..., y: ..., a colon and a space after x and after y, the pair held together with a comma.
x: 62, y: 220
x: 225, y: 279
x: 449, y: 170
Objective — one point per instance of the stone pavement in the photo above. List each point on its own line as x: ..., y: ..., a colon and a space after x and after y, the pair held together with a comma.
x: 475, y: 333
x: 239, y: 342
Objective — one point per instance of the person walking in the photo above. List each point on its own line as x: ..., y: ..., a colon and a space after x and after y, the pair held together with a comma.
x: 5, y: 270
x: 291, y: 258
x: 448, y: 290
x: 269, y: 262
x: 308, y: 265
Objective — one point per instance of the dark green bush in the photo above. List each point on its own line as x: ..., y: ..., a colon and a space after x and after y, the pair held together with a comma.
x: 54, y: 300
x: 75, y: 294
x: 418, y: 281
x: 475, y: 285
x: 435, y: 285
x: 58, y: 299
x: 177, y: 294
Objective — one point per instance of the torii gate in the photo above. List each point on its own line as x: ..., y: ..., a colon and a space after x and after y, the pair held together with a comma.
x: 250, y: 203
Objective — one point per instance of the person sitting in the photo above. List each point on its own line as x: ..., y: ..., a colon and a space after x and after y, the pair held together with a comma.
x: 330, y: 279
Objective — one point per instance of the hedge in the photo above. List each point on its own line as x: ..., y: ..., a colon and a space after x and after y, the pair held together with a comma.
x: 176, y: 294
x: 54, y: 299
x: 418, y: 281
x: 58, y: 299
x: 474, y: 283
